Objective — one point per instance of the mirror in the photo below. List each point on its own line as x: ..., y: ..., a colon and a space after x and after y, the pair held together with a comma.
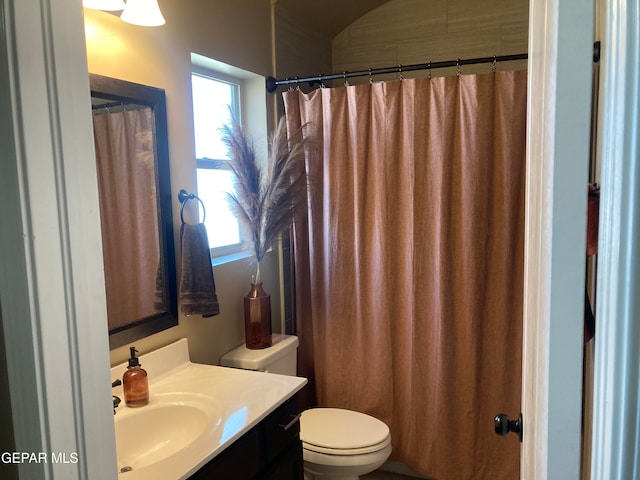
x: 132, y: 156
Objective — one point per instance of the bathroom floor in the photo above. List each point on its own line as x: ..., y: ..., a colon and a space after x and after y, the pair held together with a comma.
x: 381, y: 475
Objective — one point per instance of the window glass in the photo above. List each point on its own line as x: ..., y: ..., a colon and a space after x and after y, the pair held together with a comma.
x: 222, y: 226
x: 214, y: 100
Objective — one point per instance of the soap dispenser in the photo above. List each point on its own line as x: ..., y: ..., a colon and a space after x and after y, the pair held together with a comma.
x: 135, y: 383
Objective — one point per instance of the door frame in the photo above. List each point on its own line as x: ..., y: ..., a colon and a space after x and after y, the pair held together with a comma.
x: 54, y: 320
x: 558, y: 132
x: 616, y: 413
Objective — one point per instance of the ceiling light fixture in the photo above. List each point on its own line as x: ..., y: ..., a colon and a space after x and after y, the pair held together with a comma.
x: 145, y: 13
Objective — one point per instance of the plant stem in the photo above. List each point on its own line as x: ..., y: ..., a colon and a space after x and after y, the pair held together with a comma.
x: 257, y: 277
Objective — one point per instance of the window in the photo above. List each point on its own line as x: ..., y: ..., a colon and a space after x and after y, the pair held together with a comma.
x: 214, y: 100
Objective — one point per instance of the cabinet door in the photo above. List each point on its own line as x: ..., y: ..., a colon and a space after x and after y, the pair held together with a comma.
x: 241, y: 461
x: 282, y: 428
x: 288, y: 466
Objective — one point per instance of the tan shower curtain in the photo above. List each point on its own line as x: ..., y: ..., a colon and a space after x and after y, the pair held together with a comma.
x: 409, y: 267
x: 125, y: 161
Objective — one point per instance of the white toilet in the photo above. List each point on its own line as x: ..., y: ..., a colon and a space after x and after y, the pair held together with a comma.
x: 337, y: 444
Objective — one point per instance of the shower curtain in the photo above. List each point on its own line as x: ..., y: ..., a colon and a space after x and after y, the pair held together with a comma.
x: 125, y: 162
x: 409, y: 264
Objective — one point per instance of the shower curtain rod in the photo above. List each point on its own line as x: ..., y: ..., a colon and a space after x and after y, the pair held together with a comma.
x: 273, y: 84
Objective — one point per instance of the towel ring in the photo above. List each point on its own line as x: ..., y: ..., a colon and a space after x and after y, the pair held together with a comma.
x: 184, y: 197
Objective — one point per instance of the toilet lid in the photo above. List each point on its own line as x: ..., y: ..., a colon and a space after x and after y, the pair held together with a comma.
x: 335, y: 428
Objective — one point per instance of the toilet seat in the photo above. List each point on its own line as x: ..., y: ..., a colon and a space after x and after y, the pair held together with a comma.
x: 335, y: 431
x: 347, y: 451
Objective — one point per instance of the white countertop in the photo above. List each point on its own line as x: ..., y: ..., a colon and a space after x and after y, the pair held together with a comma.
x: 239, y: 400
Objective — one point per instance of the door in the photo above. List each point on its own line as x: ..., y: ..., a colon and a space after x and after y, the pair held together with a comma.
x: 559, y: 93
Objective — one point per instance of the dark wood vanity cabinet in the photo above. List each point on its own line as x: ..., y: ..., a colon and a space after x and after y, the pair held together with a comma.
x: 269, y: 451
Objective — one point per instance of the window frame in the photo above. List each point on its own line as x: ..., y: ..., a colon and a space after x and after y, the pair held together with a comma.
x: 206, y: 163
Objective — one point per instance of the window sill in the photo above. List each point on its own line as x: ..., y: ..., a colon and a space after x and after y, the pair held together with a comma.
x: 231, y: 257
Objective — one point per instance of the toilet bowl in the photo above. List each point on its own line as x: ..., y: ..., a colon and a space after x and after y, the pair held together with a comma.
x: 337, y: 444
x: 342, y: 444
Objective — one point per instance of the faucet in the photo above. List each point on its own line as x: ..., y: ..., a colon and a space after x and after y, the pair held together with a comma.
x: 116, y: 400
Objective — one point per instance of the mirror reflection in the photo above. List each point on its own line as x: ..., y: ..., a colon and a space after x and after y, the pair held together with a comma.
x: 129, y: 122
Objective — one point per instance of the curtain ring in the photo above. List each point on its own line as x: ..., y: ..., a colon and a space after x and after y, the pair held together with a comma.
x: 400, y: 70
x: 493, y: 65
x: 458, y: 69
x: 429, y: 70
x: 344, y: 75
x: 370, y: 77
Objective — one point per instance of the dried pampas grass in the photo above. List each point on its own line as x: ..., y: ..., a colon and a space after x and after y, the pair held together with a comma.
x: 267, y: 196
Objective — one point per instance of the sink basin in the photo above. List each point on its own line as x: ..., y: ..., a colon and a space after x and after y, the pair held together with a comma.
x: 166, y: 426
x: 195, y: 412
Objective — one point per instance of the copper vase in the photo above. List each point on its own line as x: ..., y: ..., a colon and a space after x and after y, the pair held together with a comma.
x: 257, y: 318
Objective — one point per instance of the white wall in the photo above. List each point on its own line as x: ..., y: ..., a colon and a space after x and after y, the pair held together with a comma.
x: 235, y: 33
x: 404, y: 32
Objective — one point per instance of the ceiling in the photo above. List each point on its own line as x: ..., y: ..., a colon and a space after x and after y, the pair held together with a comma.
x: 330, y: 16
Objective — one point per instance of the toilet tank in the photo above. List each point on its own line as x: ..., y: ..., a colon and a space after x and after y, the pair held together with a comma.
x: 280, y: 357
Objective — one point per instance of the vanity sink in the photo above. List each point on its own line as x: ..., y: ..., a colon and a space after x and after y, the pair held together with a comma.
x: 169, y: 424
x: 195, y: 413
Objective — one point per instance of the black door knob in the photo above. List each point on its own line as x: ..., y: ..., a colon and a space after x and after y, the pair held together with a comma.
x: 503, y: 425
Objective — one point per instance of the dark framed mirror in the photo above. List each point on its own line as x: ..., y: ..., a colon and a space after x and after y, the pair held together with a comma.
x: 132, y: 157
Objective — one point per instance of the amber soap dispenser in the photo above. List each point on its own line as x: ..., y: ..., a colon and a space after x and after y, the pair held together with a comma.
x: 135, y: 383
